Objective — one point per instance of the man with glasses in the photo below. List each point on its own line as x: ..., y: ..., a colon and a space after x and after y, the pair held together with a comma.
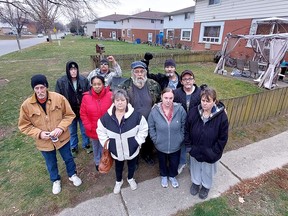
x: 143, y: 94
x: 189, y: 96
x: 105, y: 71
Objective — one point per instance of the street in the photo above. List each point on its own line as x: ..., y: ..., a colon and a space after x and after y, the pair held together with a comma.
x: 8, y: 46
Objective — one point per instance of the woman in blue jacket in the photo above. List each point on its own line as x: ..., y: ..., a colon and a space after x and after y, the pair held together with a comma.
x: 206, y: 134
x: 166, y: 128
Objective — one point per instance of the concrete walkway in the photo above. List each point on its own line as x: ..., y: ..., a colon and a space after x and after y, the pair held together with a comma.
x: 151, y: 199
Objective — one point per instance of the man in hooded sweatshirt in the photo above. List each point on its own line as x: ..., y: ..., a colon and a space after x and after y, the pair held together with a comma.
x: 72, y: 86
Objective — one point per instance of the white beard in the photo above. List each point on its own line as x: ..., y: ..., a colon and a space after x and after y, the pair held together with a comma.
x: 139, y: 82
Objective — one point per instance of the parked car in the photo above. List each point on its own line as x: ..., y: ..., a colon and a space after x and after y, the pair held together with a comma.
x: 40, y: 35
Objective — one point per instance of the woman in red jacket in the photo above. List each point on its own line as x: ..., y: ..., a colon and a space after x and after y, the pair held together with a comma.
x: 94, y: 105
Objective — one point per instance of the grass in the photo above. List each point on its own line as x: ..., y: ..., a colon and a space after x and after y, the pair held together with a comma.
x: 25, y: 187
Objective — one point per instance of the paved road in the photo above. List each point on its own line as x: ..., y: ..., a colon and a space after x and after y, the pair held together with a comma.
x: 9, y: 46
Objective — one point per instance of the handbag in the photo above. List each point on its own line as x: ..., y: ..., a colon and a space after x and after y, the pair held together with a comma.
x: 106, y: 160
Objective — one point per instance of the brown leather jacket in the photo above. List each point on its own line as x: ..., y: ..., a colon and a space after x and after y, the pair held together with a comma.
x: 33, y: 120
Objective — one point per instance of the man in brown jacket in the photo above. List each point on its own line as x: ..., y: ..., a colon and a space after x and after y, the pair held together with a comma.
x: 45, y: 116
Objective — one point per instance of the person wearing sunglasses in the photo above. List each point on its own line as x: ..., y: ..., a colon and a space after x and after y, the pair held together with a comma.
x: 105, y: 71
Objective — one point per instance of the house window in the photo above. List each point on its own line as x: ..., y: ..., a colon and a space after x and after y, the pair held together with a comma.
x: 170, y: 34
x: 152, y: 21
x: 123, y: 33
x: 211, y: 32
x: 170, y: 18
x: 186, y: 34
x: 214, y: 2
x: 128, y: 32
x: 114, y: 22
x: 187, y: 16
x: 162, y: 21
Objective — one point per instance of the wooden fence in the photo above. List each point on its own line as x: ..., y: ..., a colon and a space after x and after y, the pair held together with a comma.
x: 159, y: 58
x: 256, y: 108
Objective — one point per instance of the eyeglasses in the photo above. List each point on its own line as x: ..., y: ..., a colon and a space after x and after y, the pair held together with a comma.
x: 187, y: 79
x: 103, y: 64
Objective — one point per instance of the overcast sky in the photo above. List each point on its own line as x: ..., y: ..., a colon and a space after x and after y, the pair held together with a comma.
x: 129, y: 7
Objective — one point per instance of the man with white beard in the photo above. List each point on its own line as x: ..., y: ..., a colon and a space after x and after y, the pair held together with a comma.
x: 143, y: 94
x: 170, y: 78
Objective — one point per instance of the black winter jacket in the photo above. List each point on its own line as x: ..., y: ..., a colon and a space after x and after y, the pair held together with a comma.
x: 180, y: 97
x: 207, y: 141
x: 65, y: 87
x: 163, y: 80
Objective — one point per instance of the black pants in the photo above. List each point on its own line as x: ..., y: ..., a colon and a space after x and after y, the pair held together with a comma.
x: 119, y: 165
x: 168, y: 163
x: 283, y: 71
x: 147, y: 148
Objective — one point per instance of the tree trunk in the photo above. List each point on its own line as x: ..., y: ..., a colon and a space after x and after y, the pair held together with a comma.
x: 18, y: 42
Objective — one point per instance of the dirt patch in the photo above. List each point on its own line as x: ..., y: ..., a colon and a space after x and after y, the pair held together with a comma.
x: 3, y: 81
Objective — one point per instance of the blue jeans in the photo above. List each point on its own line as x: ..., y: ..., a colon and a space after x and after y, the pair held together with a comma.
x: 51, y: 162
x: 74, y: 134
x: 183, y: 156
x: 97, y: 151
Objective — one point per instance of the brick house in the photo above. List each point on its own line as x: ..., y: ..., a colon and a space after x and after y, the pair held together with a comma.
x: 108, y: 26
x: 142, y: 27
x: 178, y: 27
x: 214, y: 19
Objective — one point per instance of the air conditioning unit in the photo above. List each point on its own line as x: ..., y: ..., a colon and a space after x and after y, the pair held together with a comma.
x: 207, y: 46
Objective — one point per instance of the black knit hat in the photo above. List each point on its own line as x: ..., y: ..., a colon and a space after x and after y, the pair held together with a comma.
x: 169, y: 62
x: 104, y: 61
x: 39, y: 79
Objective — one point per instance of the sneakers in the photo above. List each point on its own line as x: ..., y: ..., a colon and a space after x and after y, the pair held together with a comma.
x: 203, y: 193
x: 74, y: 152
x: 76, y: 180
x: 132, y: 183
x: 194, y: 189
x: 174, y: 182
x: 164, y: 181
x: 180, y: 168
x: 89, y: 149
x: 117, y: 187
x: 56, y: 189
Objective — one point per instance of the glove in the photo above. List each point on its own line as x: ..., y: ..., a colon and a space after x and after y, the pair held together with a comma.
x: 148, y: 56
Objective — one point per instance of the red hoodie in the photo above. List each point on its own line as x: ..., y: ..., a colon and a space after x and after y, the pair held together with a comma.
x: 93, y: 107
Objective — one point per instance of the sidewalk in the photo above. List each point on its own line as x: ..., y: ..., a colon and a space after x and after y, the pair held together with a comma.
x: 151, y: 199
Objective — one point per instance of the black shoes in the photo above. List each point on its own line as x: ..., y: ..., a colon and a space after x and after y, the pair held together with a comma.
x: 203, y: 193
x: 148, y: 160
x: 194, y: 189
x: 97, y: 168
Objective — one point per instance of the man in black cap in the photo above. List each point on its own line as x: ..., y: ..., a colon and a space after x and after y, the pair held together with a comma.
x: 170, y: 79
x: 105, y: 71
x: 45, y: 116
x: 72, y: 86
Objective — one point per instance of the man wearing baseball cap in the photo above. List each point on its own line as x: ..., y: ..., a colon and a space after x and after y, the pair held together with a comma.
x: 143, y: 94
x: 105, y: 71
x: 45, y: 116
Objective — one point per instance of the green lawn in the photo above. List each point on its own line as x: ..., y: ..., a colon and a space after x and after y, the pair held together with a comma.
x: 25, y: 187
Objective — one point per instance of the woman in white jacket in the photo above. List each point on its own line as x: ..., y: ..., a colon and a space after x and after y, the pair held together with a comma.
x: 126, y: 130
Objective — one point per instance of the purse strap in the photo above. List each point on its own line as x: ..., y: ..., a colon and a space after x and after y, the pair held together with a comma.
x: 106, y: 143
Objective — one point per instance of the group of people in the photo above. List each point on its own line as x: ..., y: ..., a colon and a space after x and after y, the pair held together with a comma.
x: 167, y: 112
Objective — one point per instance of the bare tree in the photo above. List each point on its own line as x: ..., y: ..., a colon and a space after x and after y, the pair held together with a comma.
x: 15, y: 17
x: 47, y: 11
